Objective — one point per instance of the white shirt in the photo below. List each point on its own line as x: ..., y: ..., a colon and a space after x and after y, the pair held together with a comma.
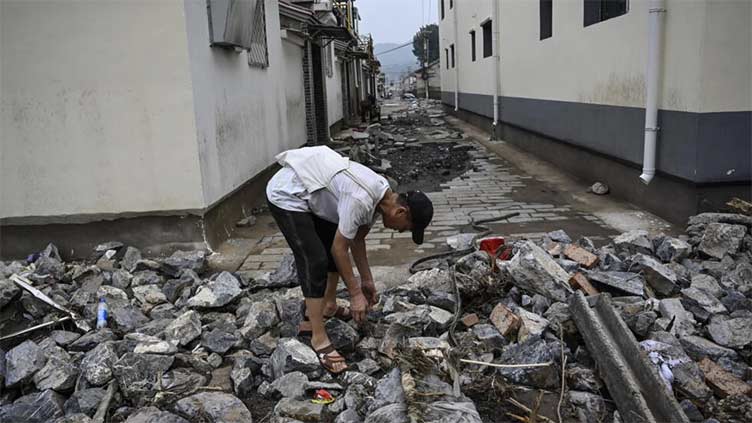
x: 344, y: 202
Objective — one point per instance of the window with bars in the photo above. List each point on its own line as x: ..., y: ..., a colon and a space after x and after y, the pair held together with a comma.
x: 258, y: 53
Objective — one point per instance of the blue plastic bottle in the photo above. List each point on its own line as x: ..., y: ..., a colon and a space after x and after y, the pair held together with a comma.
x: 102, y: 314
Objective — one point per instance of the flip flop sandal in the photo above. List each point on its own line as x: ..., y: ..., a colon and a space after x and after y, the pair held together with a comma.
x: 342, y: 313
x: 327, y: 361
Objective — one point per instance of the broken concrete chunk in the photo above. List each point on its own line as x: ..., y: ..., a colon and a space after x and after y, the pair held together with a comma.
x: 673, y: 250
x: 96, y: 365
x: 534, y: 270
x: 344, y: 337
x: 139, y: 375
x: 533, y: 350
x: 531, y: 324
x: 149, y: 294
x: 22, y: 362
x: 631, y: 283
x: 217, y: 293
x: 708, y: 284
x: 732, y: 333
x: 580, y: 255
x: 154, y: 415
x: 489, y: 336
x: 722, y: 382
x: 633, y: 242
x: 9, y: 292
x: 37, y: 407
x: 290, y: 385
x: 57, y: 374
x: 506, y: 322
x: 184, y: 329
x: 660, y: 277
x: 698, y: 348
x: 722, y: 239
x: 84, y: 401
x: 292, y: 355
x: 214, y: 407
x: 262, y: 316
x: 218, y: 340
x: 701, y: 304
x: 194, y: 260
x: 300, y: 410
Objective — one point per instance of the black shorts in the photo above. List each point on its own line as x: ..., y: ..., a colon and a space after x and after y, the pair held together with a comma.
x: 310, y: 238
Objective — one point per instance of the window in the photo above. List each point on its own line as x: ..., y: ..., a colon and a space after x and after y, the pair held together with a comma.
x: 446, y: 50
x: 451, y: 4
x: 442, y: 9
x: 472, y: 45
x: 487, y: 38
x: 601, y: 10
x: 546, y: 19
x: 452, y: 48
x: 258, y: 53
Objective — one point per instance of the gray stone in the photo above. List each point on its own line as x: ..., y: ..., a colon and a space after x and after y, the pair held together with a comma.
x: 559, y: 236
x: 303, y: 410
x: 138, y: 375
x: 49, y: 266
x: 452, y: 411
x: 58, y: 375
x: 707, y: 283
x: 533, y: 350
x: 173, y: 288
x: 130, y: 258
x: 284, y: 276
x: 588, y: 407
x: 633, y: 242
x: 154, y: 415
x: 343, y: 336
x: 9, y: 292
x: 96, y: 365
x: 163, y: 311
x: 149, y: 294
x: 698, y: 348
x: 489, y: 336
x: 63, y: 337
x: 154, y: 345
x: 531, y: 324
x: 580, y: 378
x: 22, y: 362
x: 610, y: 262
x: 735, y: 300
x: 262, y: 316
x: 347, y: 416
x: 559, y: 317
x: 673, y: 249
x: 110, y: 293
x: 534, y: 270
x: 38, y: 407
x: 740, y: 278
x: 690, y: 381
x: 217, y: 293
x: 124, y: 317
x: 192, y: 260
x: 121, y: 279
x: 721, y: 239
x: 146, y: 277
x: 214, y: 407
x: 292, y: 355
x: 691, y: 411
x: 74, y: 418
x: 388, y: 390
x: 218, y: 340
x: 215, y: 360
x: 732, y: 333
x: 264, y: 345
x: 184, y: 329
x: 701, y: 304
x: 84, y: 401
x: 181, y: 381
x: 290, y: 385
x: 396, y: 335
x: 631, y: 283
x: 684, y: 321
x: 661, y: 278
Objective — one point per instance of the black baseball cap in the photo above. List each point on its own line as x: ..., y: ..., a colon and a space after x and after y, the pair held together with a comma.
x: 421, y: 213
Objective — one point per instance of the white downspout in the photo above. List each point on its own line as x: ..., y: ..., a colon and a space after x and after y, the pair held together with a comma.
x: 496, y: 63
x: 456, y: 60
x: 657, y: 9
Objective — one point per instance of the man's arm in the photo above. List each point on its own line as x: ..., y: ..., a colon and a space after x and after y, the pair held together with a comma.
x: 358, y: 302
x: 361, y: 262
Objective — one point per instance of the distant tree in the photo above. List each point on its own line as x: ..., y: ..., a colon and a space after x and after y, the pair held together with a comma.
x: 432, y: 31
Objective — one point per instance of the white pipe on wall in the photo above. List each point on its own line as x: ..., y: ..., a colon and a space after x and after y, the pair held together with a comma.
x: 656, y: 11
x: 497, y: 60
x: 456, y: 59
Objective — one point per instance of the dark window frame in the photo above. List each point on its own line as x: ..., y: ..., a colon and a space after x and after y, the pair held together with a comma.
x: 442, y: 9
x: 488, y: 46
x: 472, y: 45
x: 446, y: 51
x: 451, y: 4
x: 453, y: 50
x: 546, y: 19
x: 596, y: 11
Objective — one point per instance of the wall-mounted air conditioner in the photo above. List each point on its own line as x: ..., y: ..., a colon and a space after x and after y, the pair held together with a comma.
x: 230, y: 22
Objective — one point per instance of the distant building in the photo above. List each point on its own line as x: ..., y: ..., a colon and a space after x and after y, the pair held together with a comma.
x: 572, y: 82
x: 156, y: 123
x: 431, y: 78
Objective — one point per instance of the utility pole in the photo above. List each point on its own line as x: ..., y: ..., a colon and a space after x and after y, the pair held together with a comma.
x: 426, y: 77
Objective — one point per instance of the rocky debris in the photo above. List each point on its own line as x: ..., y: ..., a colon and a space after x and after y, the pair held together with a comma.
x: 580, y: 255
x: 619, y: 282
x: 22, y: 362
x: 721, y: 239
x: 37, y: 407
x: 598, y: 188
x: 184, y: 329
x: 722, y: 382
x: 506, y: 322
x: 732, y: 333
x: 154, y: 415
x: 217, y: 293
x: 633, y: 242
x: 534, y: 270
x: 213, y: 407
x: 662, y: 279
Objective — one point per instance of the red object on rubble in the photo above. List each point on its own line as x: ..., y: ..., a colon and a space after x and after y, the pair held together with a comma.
x: 495, y: 247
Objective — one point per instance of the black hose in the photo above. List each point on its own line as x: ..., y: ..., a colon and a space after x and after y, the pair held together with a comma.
x: 477, y: 225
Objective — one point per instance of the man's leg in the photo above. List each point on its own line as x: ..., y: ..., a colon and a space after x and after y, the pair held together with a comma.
x: 330, y: 296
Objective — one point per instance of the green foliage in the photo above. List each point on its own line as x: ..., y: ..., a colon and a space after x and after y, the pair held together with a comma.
x: 432, y: 32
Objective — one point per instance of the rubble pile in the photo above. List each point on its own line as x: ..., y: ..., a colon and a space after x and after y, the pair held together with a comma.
x: 415, y: 147
x: 183, y: 344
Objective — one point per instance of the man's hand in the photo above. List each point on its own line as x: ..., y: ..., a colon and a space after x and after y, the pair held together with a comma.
x: 369, y: 291
x: 358, y: 307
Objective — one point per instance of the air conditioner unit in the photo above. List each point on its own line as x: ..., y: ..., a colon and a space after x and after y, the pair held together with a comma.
x: 230, y: 22
x: 322, y: 6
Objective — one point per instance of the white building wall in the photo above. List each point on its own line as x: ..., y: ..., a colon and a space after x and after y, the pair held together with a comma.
x: 706, y: 62
x: 97, y: 109
x: 241, y: 116
x: 334, y: 92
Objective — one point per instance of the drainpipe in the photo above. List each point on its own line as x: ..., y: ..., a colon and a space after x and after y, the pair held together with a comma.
x: 496, y: 64
x: 657, y: 9
x: 456, y: 60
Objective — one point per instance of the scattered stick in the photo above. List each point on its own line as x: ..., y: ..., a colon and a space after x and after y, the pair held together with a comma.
x: 104, y: 405
x: 507, y: 366
x: 526, y: 409
x: 563, y: 374
x: 33, y: 328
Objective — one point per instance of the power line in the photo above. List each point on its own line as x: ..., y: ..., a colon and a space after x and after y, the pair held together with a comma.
x: 409, y: 43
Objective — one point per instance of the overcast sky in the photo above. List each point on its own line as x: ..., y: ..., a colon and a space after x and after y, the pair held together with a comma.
x: 395, y: 21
